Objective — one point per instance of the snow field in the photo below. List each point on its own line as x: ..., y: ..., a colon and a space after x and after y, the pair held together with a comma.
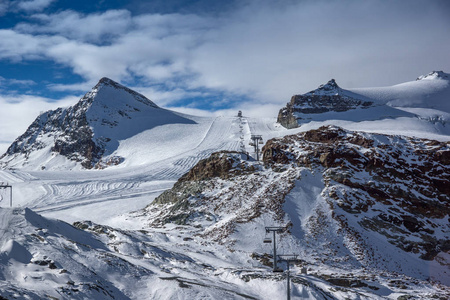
x: 154, y: 160
x: 171, y: 262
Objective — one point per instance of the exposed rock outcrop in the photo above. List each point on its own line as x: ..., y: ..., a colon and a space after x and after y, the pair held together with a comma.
x: 365, y: 185
x: 217, y: 186
x: 434, y: 74
x: 223, y: 165
x: 326, y: 98
x: 401, y: 185
x: 89, y: 131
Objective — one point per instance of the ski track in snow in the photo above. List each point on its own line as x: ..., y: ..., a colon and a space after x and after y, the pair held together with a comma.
x: 154, y: 160
x: 77, y: 203
x: 72, y: 192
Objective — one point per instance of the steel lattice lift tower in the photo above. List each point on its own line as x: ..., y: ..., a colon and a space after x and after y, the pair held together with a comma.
x: 256, y: 140
x: 288, y: 259
x: 268, y: 240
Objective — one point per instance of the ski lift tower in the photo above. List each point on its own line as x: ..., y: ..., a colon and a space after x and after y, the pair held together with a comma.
x: 288, y: 258
x: 256, y: 140
x: 7, y: 186
x: 268, y: 240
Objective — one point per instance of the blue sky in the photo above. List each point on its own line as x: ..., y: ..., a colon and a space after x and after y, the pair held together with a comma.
x: 208, y: 56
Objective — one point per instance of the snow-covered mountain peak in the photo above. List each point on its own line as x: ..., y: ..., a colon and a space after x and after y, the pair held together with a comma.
x: 423, y: 101
x: 103, y: 90
x: 90, y: 131
x: 107, y: 81
x: 434, y: 75
x: 326, y: 98
x: 329, y: 88
x: 427, y: 96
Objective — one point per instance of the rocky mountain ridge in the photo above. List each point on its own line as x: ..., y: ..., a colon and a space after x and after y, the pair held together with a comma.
x: 410, y: 177
x: 327, y: 97
x: 422, y: 101
x: 90, y: 131
x: 347, y: 200
x: 434, y: 75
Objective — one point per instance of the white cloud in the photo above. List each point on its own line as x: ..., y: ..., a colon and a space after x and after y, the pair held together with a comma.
x: 248, y: 110
x: 33, y: 5
x: 76, y: 87
x: 90, y: 61
x: 271, y: 53
x: 11, y: 81
x: 97, y: 27
x: 155, y: 47
x: 19, y: 111
x: 166, y: 98
x: 264, y: 50
x: 17, y: 46
x: 193, y: 111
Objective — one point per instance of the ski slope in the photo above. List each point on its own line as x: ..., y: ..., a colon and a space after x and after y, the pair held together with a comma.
x: 169, y: 262
x: 154, y: 160
x: 46, y: 258
x: 157, y: 146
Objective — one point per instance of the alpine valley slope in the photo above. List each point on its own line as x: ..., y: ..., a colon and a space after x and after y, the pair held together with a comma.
x: 367, y: 213
x: 114, y: 150
x: 358, y: 208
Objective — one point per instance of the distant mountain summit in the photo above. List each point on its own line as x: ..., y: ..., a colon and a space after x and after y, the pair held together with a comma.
x: 330, y: 88
x: 105, y: 83
x: 90, y: 131
x: 431, y: 91
x: 425, y: 98
x: 326, y: 98
x: 434, y: 75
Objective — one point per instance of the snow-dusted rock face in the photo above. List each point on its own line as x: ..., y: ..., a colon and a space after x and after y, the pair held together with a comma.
x: 327, y: 97
x: 39, y: 250
x: 347, y: 200
x: 398, y: 187
x: 425, y: 99
x: 434, y: 75
x: 44, y: 258
x: 186, y: 199
x: 90, y: 131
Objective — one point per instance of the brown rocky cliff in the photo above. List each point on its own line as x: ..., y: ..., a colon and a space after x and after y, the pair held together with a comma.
x: 410, y: 178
